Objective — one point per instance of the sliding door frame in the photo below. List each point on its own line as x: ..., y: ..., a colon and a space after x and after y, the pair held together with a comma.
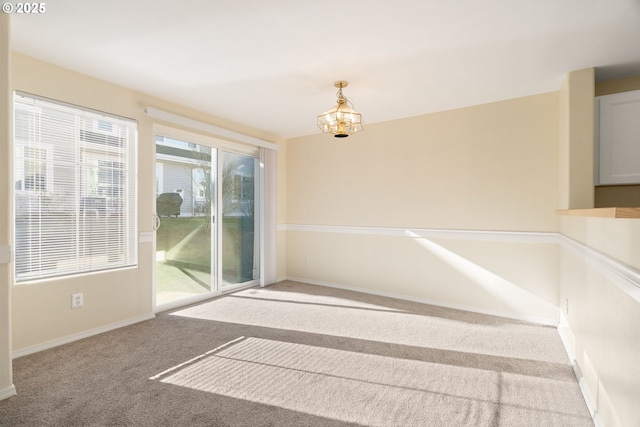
x: 220, y: 146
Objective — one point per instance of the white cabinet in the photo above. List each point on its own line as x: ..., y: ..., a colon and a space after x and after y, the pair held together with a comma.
x: 617, y: 148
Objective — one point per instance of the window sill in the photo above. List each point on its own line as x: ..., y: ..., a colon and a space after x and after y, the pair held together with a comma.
x: 603, y: 212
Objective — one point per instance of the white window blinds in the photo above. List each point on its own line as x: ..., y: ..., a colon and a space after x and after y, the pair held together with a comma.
x: 75, y: 177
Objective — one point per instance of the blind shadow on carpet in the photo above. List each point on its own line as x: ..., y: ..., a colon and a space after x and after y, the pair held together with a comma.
x: 376, y: 390
x: 301, y: 355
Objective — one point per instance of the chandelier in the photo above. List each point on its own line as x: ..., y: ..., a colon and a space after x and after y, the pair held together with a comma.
x: 340, y: 120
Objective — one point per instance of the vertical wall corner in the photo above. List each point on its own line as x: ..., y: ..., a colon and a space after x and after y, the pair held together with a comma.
x: 576, y: 140
x: 6, y: 386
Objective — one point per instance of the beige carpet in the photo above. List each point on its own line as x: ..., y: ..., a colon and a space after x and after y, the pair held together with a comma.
x: 301, y: 355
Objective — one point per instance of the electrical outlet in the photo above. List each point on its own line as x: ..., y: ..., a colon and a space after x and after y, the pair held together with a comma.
x: 566, y: 306
x: 77, y: 300
x: 306, y: 261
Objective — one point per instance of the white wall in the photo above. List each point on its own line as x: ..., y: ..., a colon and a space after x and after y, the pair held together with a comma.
x: 599, y: 282
x: 601, y: 326
x: 513, y: 274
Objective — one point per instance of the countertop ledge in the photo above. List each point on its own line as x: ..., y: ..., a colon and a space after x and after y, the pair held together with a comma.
x: 603, y: 212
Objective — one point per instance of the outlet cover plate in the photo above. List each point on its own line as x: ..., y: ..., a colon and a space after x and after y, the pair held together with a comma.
x: 77, y: 300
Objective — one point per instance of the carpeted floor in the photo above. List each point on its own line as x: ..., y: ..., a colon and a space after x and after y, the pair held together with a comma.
x: 301, y: 355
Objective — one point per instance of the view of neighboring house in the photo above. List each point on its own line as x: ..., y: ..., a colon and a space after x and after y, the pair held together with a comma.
x: 183, y: 168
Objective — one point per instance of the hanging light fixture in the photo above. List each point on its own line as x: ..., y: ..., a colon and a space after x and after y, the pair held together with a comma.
x: 340, y: 120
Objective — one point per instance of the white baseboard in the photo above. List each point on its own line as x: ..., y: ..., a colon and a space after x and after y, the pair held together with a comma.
x: 8, y: 392
x: 84, y: 334
x: 565, y: 332
x: 532, y: 319
x: 591, y: 406
x: 566, y: 336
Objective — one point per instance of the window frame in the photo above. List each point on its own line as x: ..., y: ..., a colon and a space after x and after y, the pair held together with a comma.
x: 89, y: 142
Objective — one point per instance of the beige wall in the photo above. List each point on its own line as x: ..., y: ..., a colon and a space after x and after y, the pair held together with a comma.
x: 6, y: 386
x: 603, y: 315
x: 492, y: 167
x: 617, y: 86
x: 349, y: 202
x: 617, y: 196
x: 576, y: 140
x: 496, y: 167
x: 41, y: 311
x: 281, y: 239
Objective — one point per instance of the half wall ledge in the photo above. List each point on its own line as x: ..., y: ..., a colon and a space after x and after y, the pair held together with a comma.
x: 603, y: 212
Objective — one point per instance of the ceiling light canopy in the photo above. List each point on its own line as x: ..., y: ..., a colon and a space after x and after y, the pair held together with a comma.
x: 341, y: 120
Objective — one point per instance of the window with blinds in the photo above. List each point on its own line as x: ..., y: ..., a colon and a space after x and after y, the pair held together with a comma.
x: 75, y: 177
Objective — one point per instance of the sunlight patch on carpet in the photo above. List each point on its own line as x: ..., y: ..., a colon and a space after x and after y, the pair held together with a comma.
x: 414, y: 324
x: 352, y: 387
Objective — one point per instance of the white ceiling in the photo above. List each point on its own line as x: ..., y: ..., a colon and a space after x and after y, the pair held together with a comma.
x: 271, y: 64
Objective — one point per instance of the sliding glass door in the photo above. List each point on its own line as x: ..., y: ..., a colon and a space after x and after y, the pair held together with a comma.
x: 185, y: 202
x: 207, y: 227
x: 240, y: 245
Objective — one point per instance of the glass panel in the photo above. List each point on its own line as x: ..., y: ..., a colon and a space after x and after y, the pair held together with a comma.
x: 239, y: 228
x: 75, y: 190
x: 184, y: 203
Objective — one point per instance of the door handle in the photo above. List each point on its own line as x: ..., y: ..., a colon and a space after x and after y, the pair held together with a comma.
x: 156, y: 222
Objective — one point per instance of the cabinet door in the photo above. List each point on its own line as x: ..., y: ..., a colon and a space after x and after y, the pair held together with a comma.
x: 618, y: 134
